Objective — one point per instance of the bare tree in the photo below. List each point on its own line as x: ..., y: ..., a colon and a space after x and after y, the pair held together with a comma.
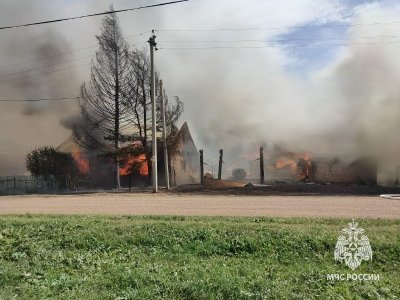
x: 103, y: 99
x: 140, y: 103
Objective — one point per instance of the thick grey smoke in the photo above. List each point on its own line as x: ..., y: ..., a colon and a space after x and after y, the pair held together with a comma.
x: 349, y: 109
x: 25, y: 125
x: 235, y: 99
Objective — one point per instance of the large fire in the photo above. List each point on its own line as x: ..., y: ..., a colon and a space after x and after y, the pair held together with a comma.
x: 127, y: 167
x: 300, y: 163
x: 82, y: 162
x: 139, y: 162
x: 134, y: 163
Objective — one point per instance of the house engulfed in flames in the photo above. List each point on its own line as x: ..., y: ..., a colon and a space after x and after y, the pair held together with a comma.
x: 307, y: 167
x: 99, y: 171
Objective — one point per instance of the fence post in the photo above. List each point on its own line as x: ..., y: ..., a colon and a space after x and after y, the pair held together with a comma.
x: 201, y: 167
x: 262, y: 179
x: 221, y: 156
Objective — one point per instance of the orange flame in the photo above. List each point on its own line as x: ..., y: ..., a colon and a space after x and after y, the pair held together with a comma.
x: 82, y: 161
x: 129, y: 164
x: 300, y: 163
x: 284, y: 162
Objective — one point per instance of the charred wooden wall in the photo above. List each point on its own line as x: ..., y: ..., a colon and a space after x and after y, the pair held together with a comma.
x: 185, y: 161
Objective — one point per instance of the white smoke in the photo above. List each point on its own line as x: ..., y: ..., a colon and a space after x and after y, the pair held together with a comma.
x: 241, y: 98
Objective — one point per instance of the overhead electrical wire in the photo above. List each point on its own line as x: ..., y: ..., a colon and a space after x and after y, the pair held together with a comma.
x: 281, y: 46
x: 71, y: 51
x: 46, y: 66
x: 281, y: 27
x: 142, y: 33
x: 46, y: 57
x: 49, y: 65
x: 39, y: 100
x: 211, y: 41
x: 277, y: 40
x: 186, y: 41
x: 203, y: 41
x: 202, y: 48
x: 251, y: 47
x: 93, y: 15
x: 40, y: 74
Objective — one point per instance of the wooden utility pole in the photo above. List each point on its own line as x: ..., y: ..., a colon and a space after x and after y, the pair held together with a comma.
x: 153, y: 44
x: 262, y: 179
x: 221, y: 156
x: 164, y: 134
x: 201, y: 167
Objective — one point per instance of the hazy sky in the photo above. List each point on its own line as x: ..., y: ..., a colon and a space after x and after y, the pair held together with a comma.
x: 304, y: 73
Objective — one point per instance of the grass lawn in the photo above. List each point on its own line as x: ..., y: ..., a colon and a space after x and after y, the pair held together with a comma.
x: 95, y: 257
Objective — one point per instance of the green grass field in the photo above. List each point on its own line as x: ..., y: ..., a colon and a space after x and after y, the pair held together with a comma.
x: 92, y: 257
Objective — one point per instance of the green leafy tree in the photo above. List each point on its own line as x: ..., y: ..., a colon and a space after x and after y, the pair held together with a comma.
x: 47, y: 162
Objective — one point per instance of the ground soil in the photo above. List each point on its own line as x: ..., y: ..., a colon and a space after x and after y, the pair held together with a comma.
x: 195, y: 203
x: 292, y: 189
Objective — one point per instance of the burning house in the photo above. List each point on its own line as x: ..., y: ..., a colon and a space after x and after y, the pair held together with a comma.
x: 98, y: 170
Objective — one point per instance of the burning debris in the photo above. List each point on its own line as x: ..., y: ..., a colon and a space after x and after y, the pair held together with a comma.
x: 307, y: 167
x: 299, y: 163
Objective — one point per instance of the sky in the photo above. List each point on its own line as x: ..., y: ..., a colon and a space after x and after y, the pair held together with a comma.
x: 306, y: 74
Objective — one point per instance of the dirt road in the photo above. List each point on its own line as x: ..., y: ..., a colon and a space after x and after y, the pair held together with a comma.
x: 203, y: 205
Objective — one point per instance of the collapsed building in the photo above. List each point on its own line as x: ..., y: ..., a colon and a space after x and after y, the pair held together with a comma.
x: 321, y: 169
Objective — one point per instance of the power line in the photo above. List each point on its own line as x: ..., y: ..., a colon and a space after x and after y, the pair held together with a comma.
x: 71, y: 51
x: 203, y: 48
x: 282, y: 27
x: 93, y: 15
x: 39, y: 100
x: 46, y: 57
x: 46, y: 66
x: 187, y: 41
x: 276, y: 45
x: 49, y: 65
x: 28, y: 76
x: 145, y: 32
x: 278, y: 40
x: 40, y: 74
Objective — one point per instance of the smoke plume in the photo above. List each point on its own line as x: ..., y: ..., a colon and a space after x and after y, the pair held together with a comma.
x: 25, y: 125
x: 235, y: 99
x: 348, y: 109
